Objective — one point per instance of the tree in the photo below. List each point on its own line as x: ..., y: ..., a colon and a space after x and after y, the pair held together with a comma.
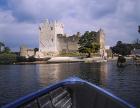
x: 4, y: 49
x: 122, y: 48
x: 136, y: 44
x: 139, y: 29
x: 7, y: 58
x: 136, y: 41
x: 88, y: 43
x: 35, y: 50
x: 7, y: 50
x: 1, y: 45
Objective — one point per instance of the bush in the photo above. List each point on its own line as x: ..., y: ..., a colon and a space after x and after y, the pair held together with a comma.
x: 31, y: 59
x: 7, y: 58
x: 24, y: 59
x: 21, y: 59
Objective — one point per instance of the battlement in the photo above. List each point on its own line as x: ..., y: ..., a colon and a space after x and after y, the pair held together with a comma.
x: 48, y: 35
x: 52, y: 38
x: 49, y: 23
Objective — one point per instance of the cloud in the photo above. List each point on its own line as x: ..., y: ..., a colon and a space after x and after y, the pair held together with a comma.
x: 119, y: 19
x: 14, y: 34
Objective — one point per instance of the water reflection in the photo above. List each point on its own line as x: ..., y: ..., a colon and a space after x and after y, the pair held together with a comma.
x: 103, y: 74
x: 19, y: 80
x: 51, y: 73
x: 124, y: 82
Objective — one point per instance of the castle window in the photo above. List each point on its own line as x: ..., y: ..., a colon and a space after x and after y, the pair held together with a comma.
x: 73, y: 39
x: 52, y: 39
x: 40, y: 28
x: 51, y: 28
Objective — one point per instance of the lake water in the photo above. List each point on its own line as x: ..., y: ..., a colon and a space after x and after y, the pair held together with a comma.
x: 20, y: 80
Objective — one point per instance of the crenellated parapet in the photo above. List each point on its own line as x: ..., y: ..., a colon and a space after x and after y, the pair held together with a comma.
x: 53, y: 40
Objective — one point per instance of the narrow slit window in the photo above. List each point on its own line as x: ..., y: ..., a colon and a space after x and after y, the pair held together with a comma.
x: 51, y: 28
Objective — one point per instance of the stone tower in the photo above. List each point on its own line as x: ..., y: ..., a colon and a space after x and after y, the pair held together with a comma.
x: 23, y: 51
x: 48, y: 32
x: 101, y: 39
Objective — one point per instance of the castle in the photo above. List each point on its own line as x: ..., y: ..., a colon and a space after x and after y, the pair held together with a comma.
x: 53, y: 40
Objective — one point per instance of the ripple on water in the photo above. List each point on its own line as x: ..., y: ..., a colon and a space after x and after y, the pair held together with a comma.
x: 20, y: 80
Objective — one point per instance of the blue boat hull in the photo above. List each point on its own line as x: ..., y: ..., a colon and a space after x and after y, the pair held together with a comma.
x: 70, y: 93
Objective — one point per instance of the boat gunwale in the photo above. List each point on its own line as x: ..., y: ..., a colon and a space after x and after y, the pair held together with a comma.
x: 69, y: 81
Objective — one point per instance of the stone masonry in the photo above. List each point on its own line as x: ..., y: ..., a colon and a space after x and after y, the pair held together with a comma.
x: 53, y: 41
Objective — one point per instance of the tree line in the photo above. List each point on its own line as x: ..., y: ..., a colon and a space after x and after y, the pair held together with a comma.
x: 9, y: 57
x: 6, y: 56
x: 4, y: 48
x: 125, y: 48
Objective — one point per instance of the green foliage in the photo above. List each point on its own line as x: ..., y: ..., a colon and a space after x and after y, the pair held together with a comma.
x: 7, y: 58
x: 88, y: 43
x: 122, y: 48
x: 31, y: 59
x: 121, y: 59
x: 21, y: 59
x: 24, y: 59
x: 2, y: 44
x: 136, y: 44
x: 7, y: 50
x: 125, y: 49
x: 35, y: 50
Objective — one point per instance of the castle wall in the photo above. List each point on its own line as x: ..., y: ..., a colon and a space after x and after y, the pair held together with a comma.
x: 63, y: 45
x: 59, y: 30
x: 68, y: 44
x: 73, y: 43
x: 52, y: 39
x: 25, y: 52
x: 48, y: 36
x: 30, y: 52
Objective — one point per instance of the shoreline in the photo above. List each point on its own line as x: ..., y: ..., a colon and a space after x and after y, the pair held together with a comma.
x: 54, y: 60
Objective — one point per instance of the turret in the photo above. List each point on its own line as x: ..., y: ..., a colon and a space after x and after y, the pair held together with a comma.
x: 23, y: 51
x: 78, y: 34
x: 101, y: 38
x: 48, y: 32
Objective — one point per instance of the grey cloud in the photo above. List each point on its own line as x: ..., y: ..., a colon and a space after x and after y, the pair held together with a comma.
x: 14, y: 34
x: 119, y: 19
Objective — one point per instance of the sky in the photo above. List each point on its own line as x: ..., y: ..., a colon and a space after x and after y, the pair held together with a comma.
x: 20, y: 19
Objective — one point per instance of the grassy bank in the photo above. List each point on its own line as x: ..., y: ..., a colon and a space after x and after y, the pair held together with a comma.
x: 7, y: 58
